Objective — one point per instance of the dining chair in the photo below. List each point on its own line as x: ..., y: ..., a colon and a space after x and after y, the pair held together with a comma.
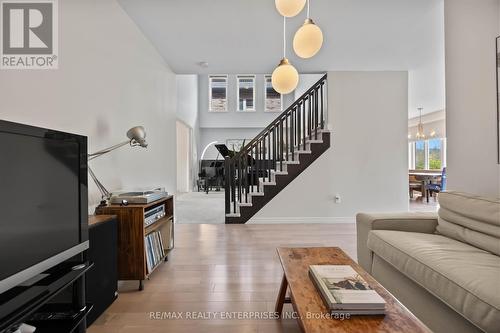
x: 434, y: 188
x: 414, y: 185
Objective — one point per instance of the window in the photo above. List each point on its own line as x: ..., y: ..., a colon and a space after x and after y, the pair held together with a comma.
x: 435, y: 154
x: 427, y: 154
x: 217, y: 95
x: 420, y: 155
x: 246, y: 93
x: 273, y: 99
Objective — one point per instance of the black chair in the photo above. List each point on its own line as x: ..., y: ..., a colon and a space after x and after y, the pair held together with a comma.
x: 202, y: 180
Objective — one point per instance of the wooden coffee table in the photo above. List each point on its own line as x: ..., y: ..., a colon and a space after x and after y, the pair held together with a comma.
x: 309, y: 306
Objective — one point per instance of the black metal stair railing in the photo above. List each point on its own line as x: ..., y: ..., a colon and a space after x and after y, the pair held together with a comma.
x: 277, y: 145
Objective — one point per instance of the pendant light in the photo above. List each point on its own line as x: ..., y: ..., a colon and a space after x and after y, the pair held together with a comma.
x: 308, y: 39
x: 289, y: 8
x: 285, y: 77
x: 420, y: 127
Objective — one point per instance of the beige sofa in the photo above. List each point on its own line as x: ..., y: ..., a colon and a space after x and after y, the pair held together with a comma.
x: 443, y: 267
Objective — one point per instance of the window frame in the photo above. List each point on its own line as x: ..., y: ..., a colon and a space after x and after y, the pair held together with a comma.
x: 265, y: 96
x: 412, y: 154
x: 442, y: 155
x: 253, y: 77
x: 210, y: 77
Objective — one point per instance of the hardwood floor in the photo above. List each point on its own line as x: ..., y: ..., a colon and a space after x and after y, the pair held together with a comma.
x: 421, y: 205
x: 219, y: 268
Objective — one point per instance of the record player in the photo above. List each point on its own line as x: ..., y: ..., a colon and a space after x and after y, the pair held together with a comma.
x: 137, y: 197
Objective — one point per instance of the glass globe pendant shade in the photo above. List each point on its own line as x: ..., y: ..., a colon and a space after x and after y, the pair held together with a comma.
x: 307, y: 40
x: 420, y: 127
x: 285, y: 77
x: 420, y: 131
x: 289, y: 8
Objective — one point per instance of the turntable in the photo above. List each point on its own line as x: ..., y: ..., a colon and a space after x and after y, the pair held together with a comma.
x: 137, y: 197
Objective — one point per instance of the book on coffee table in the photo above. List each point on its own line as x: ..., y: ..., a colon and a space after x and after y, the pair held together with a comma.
x: 343, y: 290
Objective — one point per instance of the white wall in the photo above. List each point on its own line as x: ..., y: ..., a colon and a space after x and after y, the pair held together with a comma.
x: 234, y: 118
x: 367, y: 164
x: 187, y: 112
x: 306, y: 81
x: 187, y: 99
x: 184, y: 168
x: 110, y: 78
x: 471, y: 27
x: 426, y: 79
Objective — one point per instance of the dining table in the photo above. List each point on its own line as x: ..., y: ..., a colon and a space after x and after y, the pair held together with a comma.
x: 426, y: 177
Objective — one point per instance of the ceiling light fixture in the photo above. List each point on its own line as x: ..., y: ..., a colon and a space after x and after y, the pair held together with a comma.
x: 289, y: 8
x: 285, y: 77
x: 203, y: 64
x: 308, y: 39
x: 420, y: 127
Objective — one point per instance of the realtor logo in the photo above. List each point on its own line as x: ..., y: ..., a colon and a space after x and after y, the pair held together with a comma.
x: 29, y: 34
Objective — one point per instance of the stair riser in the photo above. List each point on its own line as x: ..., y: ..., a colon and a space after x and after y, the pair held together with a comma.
x: 313, y: 137
x: 274, y: 175
x: 308, y: 146
x: 296, y: 155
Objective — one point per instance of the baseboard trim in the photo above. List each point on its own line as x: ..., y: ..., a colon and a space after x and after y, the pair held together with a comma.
x: 276, y: 220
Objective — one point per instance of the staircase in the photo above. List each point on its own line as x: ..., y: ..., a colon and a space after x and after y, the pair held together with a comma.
x: 277, y: 155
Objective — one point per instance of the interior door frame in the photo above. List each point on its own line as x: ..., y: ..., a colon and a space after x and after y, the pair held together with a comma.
x: 189, y: 144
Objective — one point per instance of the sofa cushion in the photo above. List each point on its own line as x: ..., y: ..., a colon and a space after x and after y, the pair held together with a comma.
x: 470, y: 219
x: 469, y: 236
x: 475, y: 207
x: 462, y: 276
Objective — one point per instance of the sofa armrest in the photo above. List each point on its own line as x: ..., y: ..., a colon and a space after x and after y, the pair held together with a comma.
x: 422, y: 222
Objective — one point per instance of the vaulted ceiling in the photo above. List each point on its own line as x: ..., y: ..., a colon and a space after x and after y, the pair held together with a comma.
x: 245, y: 36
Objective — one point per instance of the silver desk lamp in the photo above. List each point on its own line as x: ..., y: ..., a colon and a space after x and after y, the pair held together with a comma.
x: 136, y: 137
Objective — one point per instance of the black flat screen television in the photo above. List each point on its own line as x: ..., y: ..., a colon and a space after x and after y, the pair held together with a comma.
x: 43, y: 200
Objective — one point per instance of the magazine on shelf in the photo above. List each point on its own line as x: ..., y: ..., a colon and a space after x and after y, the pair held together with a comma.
x: 344, y: 290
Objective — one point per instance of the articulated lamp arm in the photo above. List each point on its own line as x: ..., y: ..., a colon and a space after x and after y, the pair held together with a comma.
x: 107, y: 150
x: 136, y: 136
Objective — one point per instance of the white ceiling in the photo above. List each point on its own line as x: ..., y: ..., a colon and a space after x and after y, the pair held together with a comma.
x: 245, y: 36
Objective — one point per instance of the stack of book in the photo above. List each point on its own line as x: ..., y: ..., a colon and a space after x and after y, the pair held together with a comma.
x: 154, y: 250
x: 344, y: 291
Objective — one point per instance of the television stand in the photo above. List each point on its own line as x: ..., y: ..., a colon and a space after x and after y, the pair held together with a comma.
x: 36, y: 305
x: 133, y: 236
